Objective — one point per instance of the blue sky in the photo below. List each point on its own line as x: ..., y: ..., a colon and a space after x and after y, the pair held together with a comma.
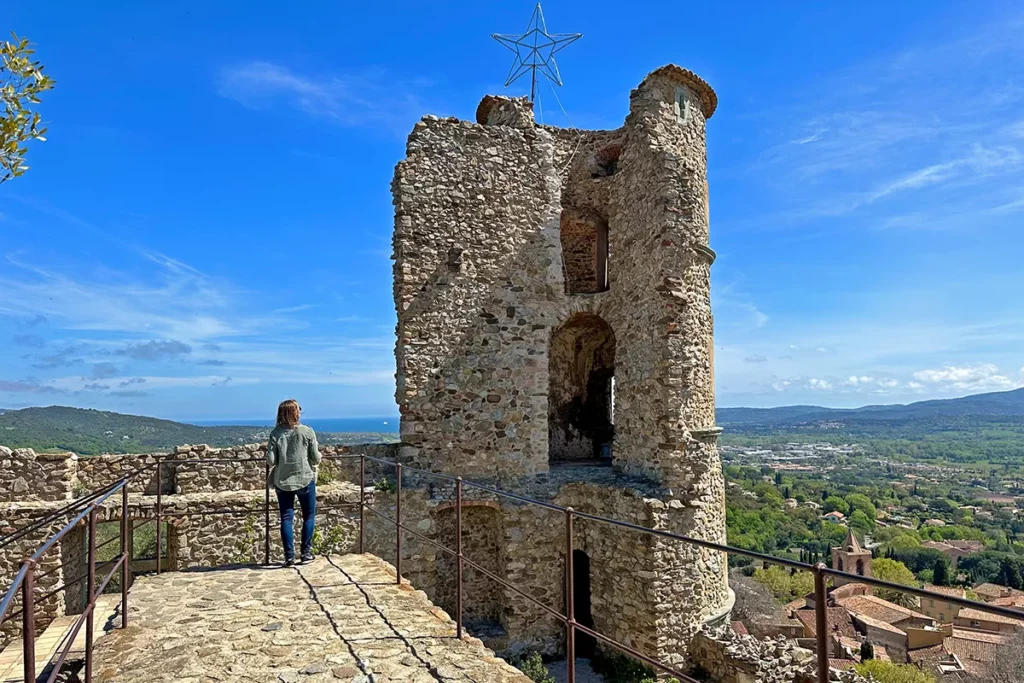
x: 207, y: 229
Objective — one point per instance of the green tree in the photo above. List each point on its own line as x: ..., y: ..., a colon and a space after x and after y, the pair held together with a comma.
x: 21, y: 83
x: 894, y: 571
x: 784, y: 584
x: 860, y: 522
x: 887, y: 672
x: 836, y: 504
x: 867, y: 651
x: 858, y: 501
x: 940, y: 573
x: 903, y: 542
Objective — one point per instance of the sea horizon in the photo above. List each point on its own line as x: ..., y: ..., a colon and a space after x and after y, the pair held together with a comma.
x: 336, y: 425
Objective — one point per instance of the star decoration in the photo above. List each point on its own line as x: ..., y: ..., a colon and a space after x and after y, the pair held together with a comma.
x: 535, y: 51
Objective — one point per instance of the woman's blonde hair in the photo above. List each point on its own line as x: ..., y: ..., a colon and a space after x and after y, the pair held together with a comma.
x: 288, y: 413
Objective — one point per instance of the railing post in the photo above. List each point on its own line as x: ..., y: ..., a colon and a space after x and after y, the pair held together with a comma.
x: 570, y: 608
x: 266, y: 513
x: 126, y: 554
x: 90, y: 609
x: 458, y: 557
x: 28, y: 620
x: 362, y: 504
x: 821, y: 621
x: 159, y: 509
x: 398, y: 523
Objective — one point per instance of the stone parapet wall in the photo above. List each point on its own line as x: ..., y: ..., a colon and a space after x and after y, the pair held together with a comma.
x: 197, y: 531
x: 723, y: 656
x: 19, y: 516
x: 30, y: 476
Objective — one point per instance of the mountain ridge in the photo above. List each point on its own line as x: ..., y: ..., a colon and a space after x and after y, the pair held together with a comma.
x: 991, y: 404
x: 88, y: 431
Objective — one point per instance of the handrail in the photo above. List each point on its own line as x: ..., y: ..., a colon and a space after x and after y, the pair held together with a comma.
x: 56, y: 514
x: 25, y: 578
x: 12, y: 592
x: 78, y: 518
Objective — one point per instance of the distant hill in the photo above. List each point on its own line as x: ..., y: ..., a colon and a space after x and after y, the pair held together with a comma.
x: 89, y: 432
x: 976, y: 411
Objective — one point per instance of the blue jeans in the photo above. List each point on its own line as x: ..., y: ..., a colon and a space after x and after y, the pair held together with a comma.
x: 286, y: 502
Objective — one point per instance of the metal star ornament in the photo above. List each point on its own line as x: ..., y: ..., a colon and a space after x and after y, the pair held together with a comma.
x: 535, y: 51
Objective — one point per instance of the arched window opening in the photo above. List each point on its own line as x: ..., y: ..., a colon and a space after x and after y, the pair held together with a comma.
x: 860, y: 567
x: 584, y: 252
x: 605, y: 161
x: 840, y: 567
x: 580, y: 405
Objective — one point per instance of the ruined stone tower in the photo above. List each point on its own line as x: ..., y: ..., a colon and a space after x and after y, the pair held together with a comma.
x: 555, y: 336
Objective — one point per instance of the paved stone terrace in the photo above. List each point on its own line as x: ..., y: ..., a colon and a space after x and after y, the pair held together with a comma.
x: 339, y: 618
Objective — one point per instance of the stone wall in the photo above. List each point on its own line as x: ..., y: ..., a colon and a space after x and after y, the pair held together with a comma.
x: 723, y: 656
x: 15, y: 516
x: 26, y: 475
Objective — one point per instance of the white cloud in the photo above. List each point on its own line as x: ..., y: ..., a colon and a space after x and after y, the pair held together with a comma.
x: 174, y: 301
x: 982, y: 376
x: 819, y: 384
x: 883, y: 131
x: 353, y: 99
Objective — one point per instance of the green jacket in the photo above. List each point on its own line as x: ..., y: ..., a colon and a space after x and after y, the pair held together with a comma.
x: 292, y: 453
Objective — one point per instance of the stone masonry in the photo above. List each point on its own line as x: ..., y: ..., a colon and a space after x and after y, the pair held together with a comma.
x: 555, y: 337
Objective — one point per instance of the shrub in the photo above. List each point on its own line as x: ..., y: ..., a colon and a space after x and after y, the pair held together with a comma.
x: 887, y: 672
x: 329, y: 542
x: 533, y: 668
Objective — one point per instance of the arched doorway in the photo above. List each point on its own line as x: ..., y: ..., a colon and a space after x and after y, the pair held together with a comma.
x: 581, y: 373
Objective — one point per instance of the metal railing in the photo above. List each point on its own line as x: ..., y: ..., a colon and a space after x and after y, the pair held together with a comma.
x: 25, y: 578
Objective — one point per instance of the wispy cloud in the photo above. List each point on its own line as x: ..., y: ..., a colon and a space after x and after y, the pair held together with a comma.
x: 30, y: 340
x: 357, y: 98
x: 887, y: 129
x: 154, y: 350
x: 66, y: 357
x: 104, y: 371
x: 26, y: 387
x: 173, y: 301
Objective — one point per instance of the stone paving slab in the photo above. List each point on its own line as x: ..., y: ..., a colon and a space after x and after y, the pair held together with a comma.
x: 339, y: 618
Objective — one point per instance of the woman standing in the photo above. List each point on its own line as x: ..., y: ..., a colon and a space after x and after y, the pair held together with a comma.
x: 293, y: 454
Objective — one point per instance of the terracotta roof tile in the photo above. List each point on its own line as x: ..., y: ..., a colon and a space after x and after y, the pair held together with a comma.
x: 971, y: 613
x: 973, y: 649
x: 879, y: 624
x: 838, y: 621
x: 877, y: 608
x: 935, y: 653
x: 946, y: 590
x: 842, y: 664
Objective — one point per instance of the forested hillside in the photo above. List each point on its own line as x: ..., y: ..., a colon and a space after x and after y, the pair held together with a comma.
x: 89, y: 432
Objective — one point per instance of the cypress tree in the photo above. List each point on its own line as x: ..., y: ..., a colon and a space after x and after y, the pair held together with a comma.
x: 940, y: 573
